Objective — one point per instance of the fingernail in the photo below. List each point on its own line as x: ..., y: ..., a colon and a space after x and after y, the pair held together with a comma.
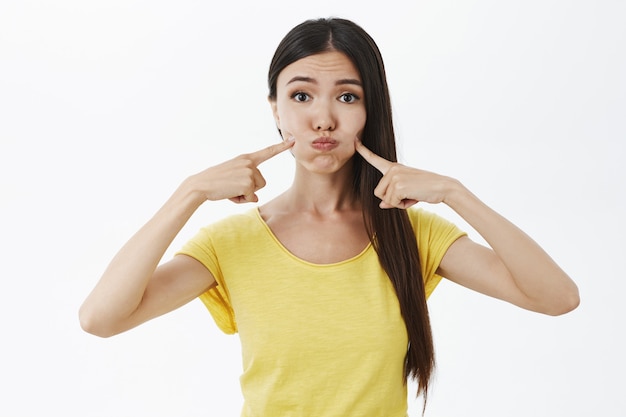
x: 291, y: 139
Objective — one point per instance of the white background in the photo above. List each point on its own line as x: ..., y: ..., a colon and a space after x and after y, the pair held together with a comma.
x: 106, y: 106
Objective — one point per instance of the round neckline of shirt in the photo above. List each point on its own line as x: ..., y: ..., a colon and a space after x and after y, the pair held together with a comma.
x: 284, y: 249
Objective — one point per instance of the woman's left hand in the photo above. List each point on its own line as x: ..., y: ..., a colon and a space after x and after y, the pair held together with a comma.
x: 514, y: 268
x: 402, y: 186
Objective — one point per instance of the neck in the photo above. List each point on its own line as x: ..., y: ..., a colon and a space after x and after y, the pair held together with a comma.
x: 322, y: 193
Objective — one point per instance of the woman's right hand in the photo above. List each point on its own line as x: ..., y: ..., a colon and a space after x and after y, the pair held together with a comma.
x: 135, y: 288
x: 238, y: 179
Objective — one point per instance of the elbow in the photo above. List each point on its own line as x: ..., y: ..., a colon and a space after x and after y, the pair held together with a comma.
x: 570, y: 306
x: 91, y: 323
x: 568, y: 302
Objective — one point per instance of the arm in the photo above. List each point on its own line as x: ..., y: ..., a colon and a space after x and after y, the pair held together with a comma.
x: 133, y: 288
x: 514, y: 268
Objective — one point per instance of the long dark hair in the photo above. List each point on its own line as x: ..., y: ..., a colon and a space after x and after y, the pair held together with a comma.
x: 389, y: 230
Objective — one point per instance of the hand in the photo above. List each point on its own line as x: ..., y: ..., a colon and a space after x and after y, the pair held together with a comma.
x: 402, y: 186
x: 238, y: 179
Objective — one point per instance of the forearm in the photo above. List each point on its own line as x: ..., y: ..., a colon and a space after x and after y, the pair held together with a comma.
x: 129, y: 292
x: 533, y: 271
x: 515, y: 269
x: 121, y: 288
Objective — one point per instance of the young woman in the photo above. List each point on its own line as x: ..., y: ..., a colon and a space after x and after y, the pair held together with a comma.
x: 326, y: 284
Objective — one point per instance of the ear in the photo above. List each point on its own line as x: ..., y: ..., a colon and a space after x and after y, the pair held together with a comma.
x: 274, y: 106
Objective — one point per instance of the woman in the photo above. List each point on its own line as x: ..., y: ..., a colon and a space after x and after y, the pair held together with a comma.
x: 326, y: 284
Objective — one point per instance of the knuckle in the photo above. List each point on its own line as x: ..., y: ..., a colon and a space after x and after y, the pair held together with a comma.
x: 250, y: 156
x: 245, y: 189
x: 393, y: 168
x: 247, y: 164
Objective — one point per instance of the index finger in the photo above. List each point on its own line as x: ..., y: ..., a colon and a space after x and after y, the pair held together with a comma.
x: 271, y: 151
x: 376, y: 161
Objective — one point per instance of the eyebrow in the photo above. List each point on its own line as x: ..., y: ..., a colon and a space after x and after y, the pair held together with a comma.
x: 343, y: 81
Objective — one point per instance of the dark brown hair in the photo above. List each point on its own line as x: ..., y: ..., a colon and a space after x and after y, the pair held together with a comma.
x: 390, y: 230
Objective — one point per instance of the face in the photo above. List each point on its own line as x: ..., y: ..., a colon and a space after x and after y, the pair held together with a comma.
x: 319, y: 101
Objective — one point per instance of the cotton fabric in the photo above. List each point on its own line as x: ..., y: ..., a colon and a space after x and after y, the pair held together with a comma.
x: 317, y: 340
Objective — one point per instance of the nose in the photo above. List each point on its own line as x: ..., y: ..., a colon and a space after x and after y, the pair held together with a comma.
x: 324, y: 118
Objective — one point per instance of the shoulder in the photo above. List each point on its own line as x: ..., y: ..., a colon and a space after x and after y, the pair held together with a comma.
x: 237, y: 221
x: 229, y: 230
x: 434, y: 235
x: 423, y: 220
x: 417, y: 213
x: 433, y: 231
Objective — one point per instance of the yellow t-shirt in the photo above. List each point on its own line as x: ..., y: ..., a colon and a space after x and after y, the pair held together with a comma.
x: 317, y: 340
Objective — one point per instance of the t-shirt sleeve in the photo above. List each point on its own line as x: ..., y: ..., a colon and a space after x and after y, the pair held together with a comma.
x: 434, y: 236
x: 216, y: 299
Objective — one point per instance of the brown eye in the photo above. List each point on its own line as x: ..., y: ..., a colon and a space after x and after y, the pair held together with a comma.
x: 300, y: 96
x: 348, y: 98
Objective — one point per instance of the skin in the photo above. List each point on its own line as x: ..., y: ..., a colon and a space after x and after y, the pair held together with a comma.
x: 319, y: 99
x: 319, y: 219
x: 514, y: 268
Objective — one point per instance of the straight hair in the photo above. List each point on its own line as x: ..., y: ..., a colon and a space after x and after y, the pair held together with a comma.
x: 389, y: 230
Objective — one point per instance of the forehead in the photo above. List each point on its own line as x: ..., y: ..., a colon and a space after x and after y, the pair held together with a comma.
x: 331, y: 66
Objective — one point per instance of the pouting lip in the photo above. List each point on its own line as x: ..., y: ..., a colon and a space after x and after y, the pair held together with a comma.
x: 325, y: 139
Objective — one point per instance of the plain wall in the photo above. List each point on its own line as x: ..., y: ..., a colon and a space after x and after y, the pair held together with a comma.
x: 105, y: 107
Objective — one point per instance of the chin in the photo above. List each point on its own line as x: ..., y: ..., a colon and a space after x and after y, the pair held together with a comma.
x: 326, y: 164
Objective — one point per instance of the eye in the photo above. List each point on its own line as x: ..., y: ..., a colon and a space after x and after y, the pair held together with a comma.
x: 348, y: 98
x: 300, y: 96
